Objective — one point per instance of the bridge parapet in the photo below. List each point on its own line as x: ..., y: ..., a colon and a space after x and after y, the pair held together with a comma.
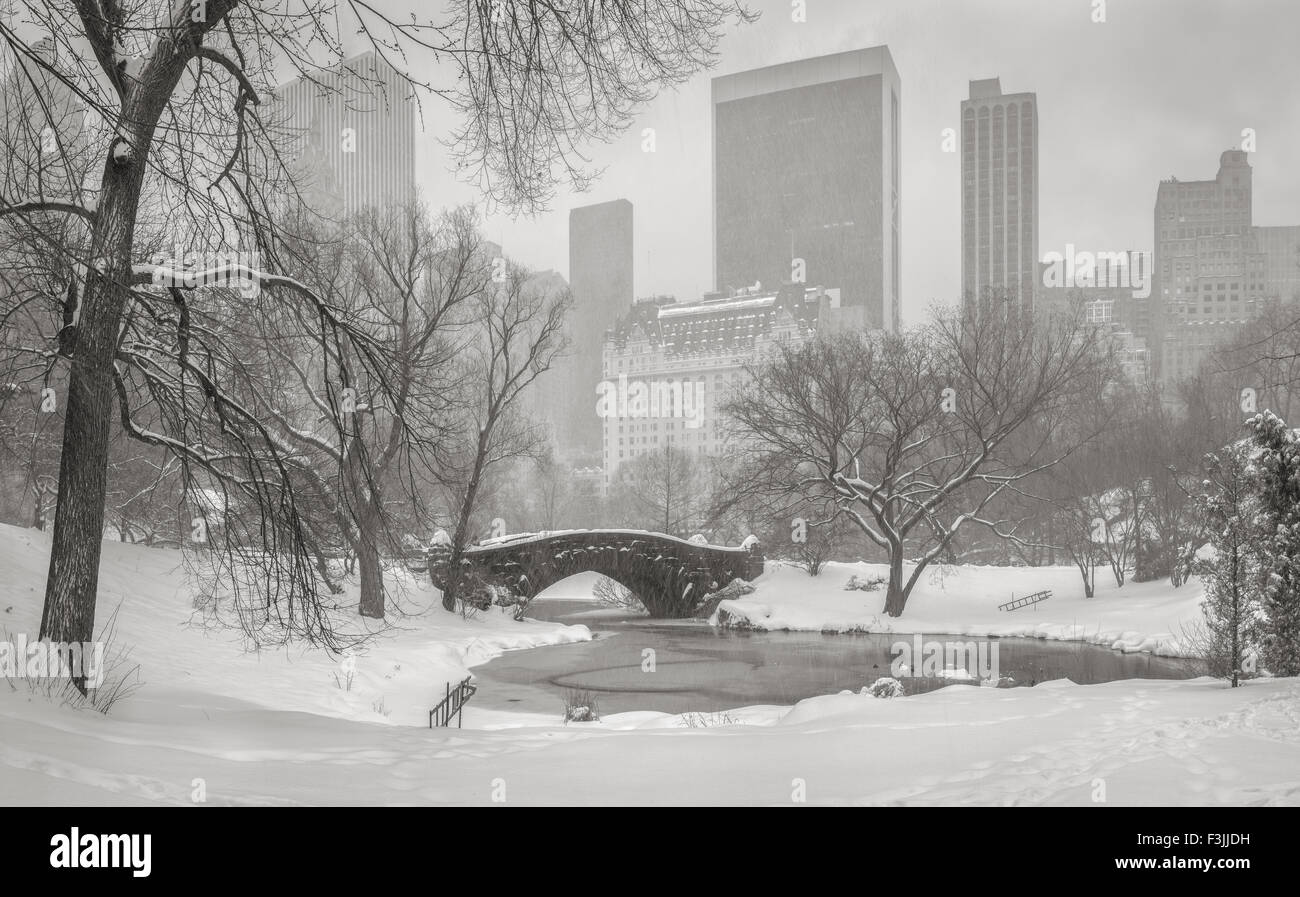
x: 671, y: 576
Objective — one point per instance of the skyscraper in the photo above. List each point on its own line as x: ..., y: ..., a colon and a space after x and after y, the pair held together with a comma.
x: 1214, y: 268
x: 43, y: 130
x: 999, y: 193
x: 351, y: 131
x: 600, y: 278
x: 806, y: 180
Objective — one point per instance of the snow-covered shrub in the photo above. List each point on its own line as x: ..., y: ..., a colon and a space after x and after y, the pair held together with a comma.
x: 864, y: 584
x: 580, y: 706
x: 504, y: 596
x: 939, y: 573
x: 884, y: 687
x: 737, y: 588
x: 700, y: 720
x: 698, y: 539
x: 734, y: 620
x: 733, y: 590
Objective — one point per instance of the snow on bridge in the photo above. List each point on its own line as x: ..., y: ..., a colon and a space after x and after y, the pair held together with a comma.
x: 673, y: 577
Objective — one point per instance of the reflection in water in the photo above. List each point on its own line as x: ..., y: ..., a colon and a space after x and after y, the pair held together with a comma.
x: 697, y: 667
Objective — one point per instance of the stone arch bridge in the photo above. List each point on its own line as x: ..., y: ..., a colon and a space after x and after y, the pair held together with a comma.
x: 671, y: 576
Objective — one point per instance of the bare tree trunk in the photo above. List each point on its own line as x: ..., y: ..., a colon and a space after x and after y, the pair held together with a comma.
x: 1236, y: 618
x: 461, y: 537
x: 896, y: 596
x: 668, y: 490
x: 367, y: 515
x: 372, y: 573
x: 70, y: 591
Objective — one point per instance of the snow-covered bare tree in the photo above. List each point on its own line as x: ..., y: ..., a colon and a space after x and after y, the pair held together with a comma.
x: 1091, y: 494
x: 184, y: 147
x: 408, y: 281
x: 517, y: 333
x: 1265, y: 357
x: 1170, y: 446
x: 822, y: 539
x: 913, y: 435
x: 666, y: 490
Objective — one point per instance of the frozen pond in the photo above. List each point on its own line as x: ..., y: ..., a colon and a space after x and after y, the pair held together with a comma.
x: 699, y: 668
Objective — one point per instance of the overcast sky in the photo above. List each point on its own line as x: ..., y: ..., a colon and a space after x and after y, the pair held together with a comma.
x: 1158, y: 90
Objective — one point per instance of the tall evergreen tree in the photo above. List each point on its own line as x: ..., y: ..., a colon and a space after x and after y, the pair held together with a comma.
x: 1278, y: 485
x: 1230, y: 511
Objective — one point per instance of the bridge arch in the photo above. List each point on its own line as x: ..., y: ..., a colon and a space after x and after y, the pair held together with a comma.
x: 671, y: 576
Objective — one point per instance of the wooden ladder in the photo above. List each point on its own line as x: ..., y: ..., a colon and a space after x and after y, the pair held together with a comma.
x: 1027, y: 600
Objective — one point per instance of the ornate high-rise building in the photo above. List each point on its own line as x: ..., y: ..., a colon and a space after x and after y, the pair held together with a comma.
x: 669, y: 367
x: 1214, y: 268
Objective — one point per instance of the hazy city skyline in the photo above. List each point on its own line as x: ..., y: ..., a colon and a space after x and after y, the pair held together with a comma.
x: 1104, y: 143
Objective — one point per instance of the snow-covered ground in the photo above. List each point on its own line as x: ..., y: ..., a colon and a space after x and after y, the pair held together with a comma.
x: 1147, y: 616
x: 278, y: 728
x: 392, y: 682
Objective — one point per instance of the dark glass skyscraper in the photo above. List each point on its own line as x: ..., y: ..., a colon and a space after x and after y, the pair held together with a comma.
x: 806, y: 180
x: 600, y: 278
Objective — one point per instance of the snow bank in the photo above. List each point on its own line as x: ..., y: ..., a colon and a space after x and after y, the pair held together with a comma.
x: 399, y: 677
x: 277, y: 729
x: 964, y: 600
x: 1153, y: 742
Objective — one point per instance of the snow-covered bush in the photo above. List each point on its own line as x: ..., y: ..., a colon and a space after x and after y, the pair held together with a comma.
x: 732, y: 591
x: 884, y: 687
x: 864, y: 584
x: 737, y: 588
x: 580, y: 706
x: 734, y: 620
x: 700, y: 720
